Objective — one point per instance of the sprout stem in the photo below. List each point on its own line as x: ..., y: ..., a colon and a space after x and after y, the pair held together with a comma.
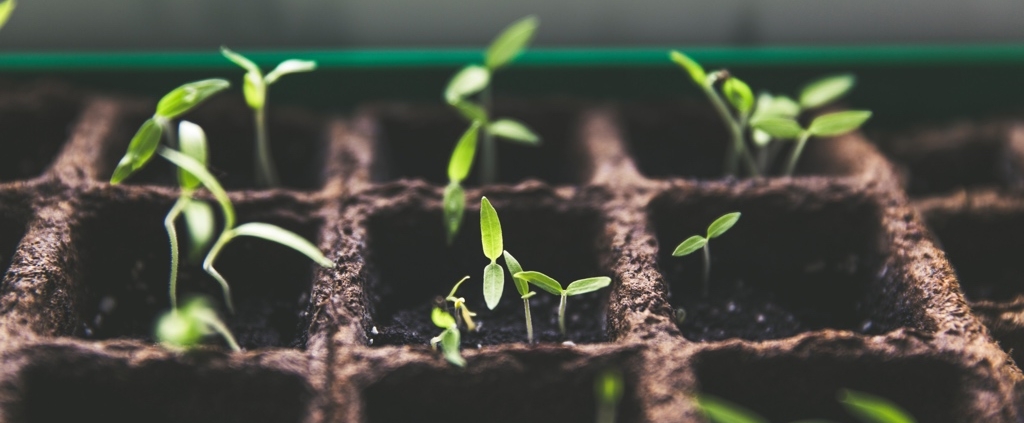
x: 172, y: 234
x: 529, y: 320
x: 738, y: 147
x: 795, y: 156
x: 489, y: 171
x: 561, y: 314
x: 208, y: 267
x: 707, y: 268
x: 266, y: 174
x: 218, y: 326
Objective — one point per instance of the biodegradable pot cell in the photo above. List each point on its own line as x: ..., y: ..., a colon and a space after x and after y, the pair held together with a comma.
x: 35, y: 120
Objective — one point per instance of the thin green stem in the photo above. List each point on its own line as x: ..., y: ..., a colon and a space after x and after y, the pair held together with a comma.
x: 489, y: 170
x: 529, y: 320
x: 707, y: 268
x: 218, y: 326
x: 224, y: 238
x: 561, y: 314
x: 738, y: 148
x: 266, y: 174
x: 795, y: 156
x: 606, y: 412
x: 172, y: 234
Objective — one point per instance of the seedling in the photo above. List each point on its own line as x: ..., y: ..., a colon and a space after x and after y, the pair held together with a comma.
x: 866, y: 407
x: 548, y: 284
x: 474, y: 79
x: 255, y: 88
x: 828, y: 125
x: 6, y: 8
x: 186, y: 327
x: 696, y: 242
x: 608, y: 388
x: 458, y: 168
x: 459, y: 303
x: 490, y: 238
x: 450, y: 339
x: 524, y: 292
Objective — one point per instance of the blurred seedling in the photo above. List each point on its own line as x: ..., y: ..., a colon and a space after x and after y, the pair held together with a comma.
x: 697, y: 242
x: 827, y: 125
x: 450, y: 340
x: 459, y: 165
x: 6, y: 8
x: 865, y: 407
x: 552, y: 286
x: 461, y: 311
x: 524, y: 292
x: 185, y: 327
x: 255, y: 86
x: 608, y: 390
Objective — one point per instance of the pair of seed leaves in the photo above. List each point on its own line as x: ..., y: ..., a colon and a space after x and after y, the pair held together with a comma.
x: 450, y: 339
x: 494, y: 277
x: 717, y: 228
x: 866, y: 407
x: 255, y: 83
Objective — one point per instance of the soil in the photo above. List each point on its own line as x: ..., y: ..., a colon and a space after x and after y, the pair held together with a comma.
x: 35, y: 120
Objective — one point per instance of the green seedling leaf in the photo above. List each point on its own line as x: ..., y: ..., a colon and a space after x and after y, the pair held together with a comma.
x: 510, y: 42
x: 450, y: 342
x: 490, y: 230
x: 718, y: 410
x: 200, y: 224
x: 775, y: 106
x: 441, y: 318
x: 241, y: 61
x: 692, y: 67
x: 470, y: 80
x: 204, y: 176
x: 739, y: 95
x: 690, y: 245
x: 185, y: 327
x: 494, y: 284
x: 454, y: 206
x: 608, y: 387
x: 462, y: 157
x: 184, y: 98
x: 6, y: 8
x: 142, y: 147
x: 584, y: 286
x: 512, y: 130
x: 541, y: 280
x: 826, y: 90
x: 513, y: 267
x: 456, y: 287
x: 471, y: 111
x: 873, y: 409
x: 761, y: 138
x: 284, y: 237
x: 290, y: 66
x: 779, y: 127
x: 255, y: 90
x: 722, y: 224
x: 192, y: 142
x: 838, y: 123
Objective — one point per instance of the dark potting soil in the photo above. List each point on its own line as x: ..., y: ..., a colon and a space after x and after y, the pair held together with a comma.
x: 984, y: 248
x: 35, y: 121
x: 125, y: 260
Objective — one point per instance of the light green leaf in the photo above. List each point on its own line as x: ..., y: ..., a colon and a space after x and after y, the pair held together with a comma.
x: 179, y: 329
x: 290, y: 66
x: 471, y: 111
x: 739, y: 95
x: 462, y: 157
x: 826, y: 90
x: 778, y: 127
x: 513, y: 267
x: 6, y: 8
x: 184, y: 98
x: 490, y: 230
x: 454, y: 205
x: 512, y: 130
x: 718, y: 410
x: 441, y: 318
x: 457, y: 285
x: 204, y: 176
x: 608, y: 387
x: 192, y: 142
x: 510, y: 42
x: 838, y: 123
x: 255, y: 90
x: 873, y: 409
x: 450, y: 343
x: 692, y: 67
x: 690, y: 245
x: 541, y: 280
x: 584, y: 286
x: 240, y: 60
x: 494, y: 284
x: 775, y: 106
x: 470, y: 80
x: 200, y: 223
x: 722, y: 224
x: 760, y: 138
x: 140, y: 150
x: 284, y: 237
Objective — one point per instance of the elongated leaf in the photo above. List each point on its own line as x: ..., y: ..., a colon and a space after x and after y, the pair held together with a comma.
x: 512, y: 130
x: 692, y: 67
x: 584, y: 286
x: 184, y: 98
x: 441, y: 318
x: 511, y: 42
x: 200, y: 223
x: 541, y: 280
x: 284, y: 237
x: 690, y: 245
x: 718, y: 410
x: 494, y: 284
x: 775, y: 106
x: 838, y: 123
x: 204, y: 176
x: 142, y: 147
x: 722, y: 224
x: 6, y: 8
x: 192, y: 142
x: 450, y: 342
x: 873, y: 409
x: 739, y: 94
x: 513, y: 267
x: 826, y: 90
x: 454, y: 206
x: 255, y: 90
x: 241, y: 60
x: 471, y: 111
x: 462, y: 157
x: 289, y: 66
x: 778, y: 127
x: 490, y: 230
x: 457, y: 285
x: 470, y: 80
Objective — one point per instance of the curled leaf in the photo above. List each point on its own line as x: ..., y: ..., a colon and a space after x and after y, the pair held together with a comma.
x: 142, y: 147
x: 722, y: 224
x: 241, y: 61
x: 690, y: 245
x: 739, y: 95
x: 441, y: 318
x: 450, y: 343
x: 513, y: 40
x: 255, y: 90
x: 693, y: 68
x: 289, y: 66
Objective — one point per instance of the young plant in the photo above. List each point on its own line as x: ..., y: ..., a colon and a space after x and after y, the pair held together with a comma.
x: 458, y: 169
x: 186, y: 327
x: 255, y: 89
x: 490, y: 238
x: 524, y: 292
x: 548, y: 284
x: 827, y: 125
x: 865, y: 407
x: 474, y: 79
x: 450, y: 339
x: 696, y: 242
x: 608, y: 388
x: 461, y: 311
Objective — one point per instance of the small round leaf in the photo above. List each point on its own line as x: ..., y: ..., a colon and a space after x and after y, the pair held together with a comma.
x: 441, y: 318
x: 722, y: 224
x: 739, y: 95
x: 838, y: 123
x: 690, y: 245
